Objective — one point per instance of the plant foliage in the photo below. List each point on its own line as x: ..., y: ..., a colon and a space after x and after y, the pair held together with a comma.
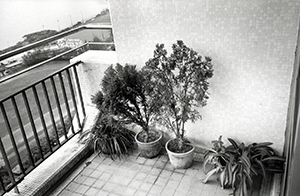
x: 237, y: 163
x: 181, y: 82
x: 127, y: 94
x: 110, y: 137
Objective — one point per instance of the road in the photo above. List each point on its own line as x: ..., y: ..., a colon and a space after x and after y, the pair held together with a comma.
x: 22, y: 81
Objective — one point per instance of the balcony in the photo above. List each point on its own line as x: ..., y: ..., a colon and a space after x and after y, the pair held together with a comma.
x: 69, y: 167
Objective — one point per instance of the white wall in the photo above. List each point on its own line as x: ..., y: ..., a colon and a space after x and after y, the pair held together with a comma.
x: 252, y: 44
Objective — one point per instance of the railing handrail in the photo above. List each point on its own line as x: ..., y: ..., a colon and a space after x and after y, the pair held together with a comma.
x: 42, y: 63
x: 50, y: 39
x: 44, y: 78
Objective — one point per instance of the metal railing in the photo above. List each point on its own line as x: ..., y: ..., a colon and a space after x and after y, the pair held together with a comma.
x: 40, y: 117
x: 53, y: 38
x: 56, y: 98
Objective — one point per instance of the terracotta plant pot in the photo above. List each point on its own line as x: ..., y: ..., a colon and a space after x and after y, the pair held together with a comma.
x: 149, y: 149
x: 181, y: 160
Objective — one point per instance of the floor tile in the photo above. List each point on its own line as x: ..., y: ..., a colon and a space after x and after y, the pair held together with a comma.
x: 92, y: 191
x: 161, y: 181
x: 145, y: 186
x: 96, y: 174
x: 156, y: 189
x: 72, y: 186
x: 165, y: 174
x: 89, y: 181
x: 98, y: 184
x: 150, y: 179
x: 140, y: 193
x: 155, y: 171
x: 109, y: 186
x: 129, y: 191
x: 135, y: 184
x: 87, y: 171
x: 138, y: 176
x: 105, y: 176
x: 82, y: 189
x: 119, y: 189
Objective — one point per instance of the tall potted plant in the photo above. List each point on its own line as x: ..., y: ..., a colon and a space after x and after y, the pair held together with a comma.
x: 181, y: 83
x: 127, y: 95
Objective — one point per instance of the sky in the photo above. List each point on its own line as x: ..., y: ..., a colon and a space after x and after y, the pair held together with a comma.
x: 21, y: 17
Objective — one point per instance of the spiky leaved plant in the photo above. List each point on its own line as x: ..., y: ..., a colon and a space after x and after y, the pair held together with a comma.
x: 237, y: 164
x: 109, y: 136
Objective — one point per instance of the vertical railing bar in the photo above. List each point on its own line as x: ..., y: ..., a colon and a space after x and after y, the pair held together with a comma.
x: 36, y: 137
x: 22, y: 130
x: 11, y: 135
x: 73, y: 97
x: 37, y: 101
x: 59, y: 107
x: 50, y: 111
x: 2, y: 184
x: 6, y: 161
x: 66, y: 101
x: 79, y: 90
x: 7, y: 164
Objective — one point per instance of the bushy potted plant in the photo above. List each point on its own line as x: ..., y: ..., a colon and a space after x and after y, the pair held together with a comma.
x: 127, y: 95
x: 109, y: 136
x: 237, y: 165
x: 181, y: 82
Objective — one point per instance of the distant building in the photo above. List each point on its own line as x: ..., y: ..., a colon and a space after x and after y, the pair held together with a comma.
x: 71, y: 43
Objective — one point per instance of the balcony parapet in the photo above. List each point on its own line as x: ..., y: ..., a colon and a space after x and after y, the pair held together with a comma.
x: 52, y: 38
x: 64, y: 160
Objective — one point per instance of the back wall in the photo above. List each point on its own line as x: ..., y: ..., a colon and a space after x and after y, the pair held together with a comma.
x: 252, y: 44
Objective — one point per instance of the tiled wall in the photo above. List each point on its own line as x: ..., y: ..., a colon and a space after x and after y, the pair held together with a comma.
x: 252, y: 44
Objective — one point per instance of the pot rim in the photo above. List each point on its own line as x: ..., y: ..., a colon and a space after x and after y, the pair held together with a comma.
x: 181, y: 153
x: 160, y: 136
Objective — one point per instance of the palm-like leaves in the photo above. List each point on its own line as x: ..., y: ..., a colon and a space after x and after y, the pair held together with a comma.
x: 109, y: 137
x: 236, y: 164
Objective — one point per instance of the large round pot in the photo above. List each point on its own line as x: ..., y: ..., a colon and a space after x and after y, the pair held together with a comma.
x: 180, y: 160
x: 149, y: 149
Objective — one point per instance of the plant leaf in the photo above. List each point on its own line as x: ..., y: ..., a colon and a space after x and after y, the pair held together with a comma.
x: 261, y: 166
x: 208, y: 158
x: 210, y: 173
x: 263, y: 144
x: 244, y: 187
x: 274, y: 158
x: 222, y: 178
x: 233, y: 143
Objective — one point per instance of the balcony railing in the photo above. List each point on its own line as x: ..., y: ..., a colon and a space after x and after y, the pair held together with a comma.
x: 39, y: 118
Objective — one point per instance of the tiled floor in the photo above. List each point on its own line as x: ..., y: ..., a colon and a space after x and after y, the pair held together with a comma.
x: 137, y: 176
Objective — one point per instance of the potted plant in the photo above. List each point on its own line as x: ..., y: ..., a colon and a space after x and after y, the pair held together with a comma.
x: 127, y: 95
x: 237, y: 165
x: 181, y: 82
x: 108, y: 136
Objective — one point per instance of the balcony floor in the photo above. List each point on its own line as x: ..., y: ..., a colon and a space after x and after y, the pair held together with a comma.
x: 135, y: 175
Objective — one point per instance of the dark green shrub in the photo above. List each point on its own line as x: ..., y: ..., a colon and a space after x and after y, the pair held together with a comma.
x: 128, y: 94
